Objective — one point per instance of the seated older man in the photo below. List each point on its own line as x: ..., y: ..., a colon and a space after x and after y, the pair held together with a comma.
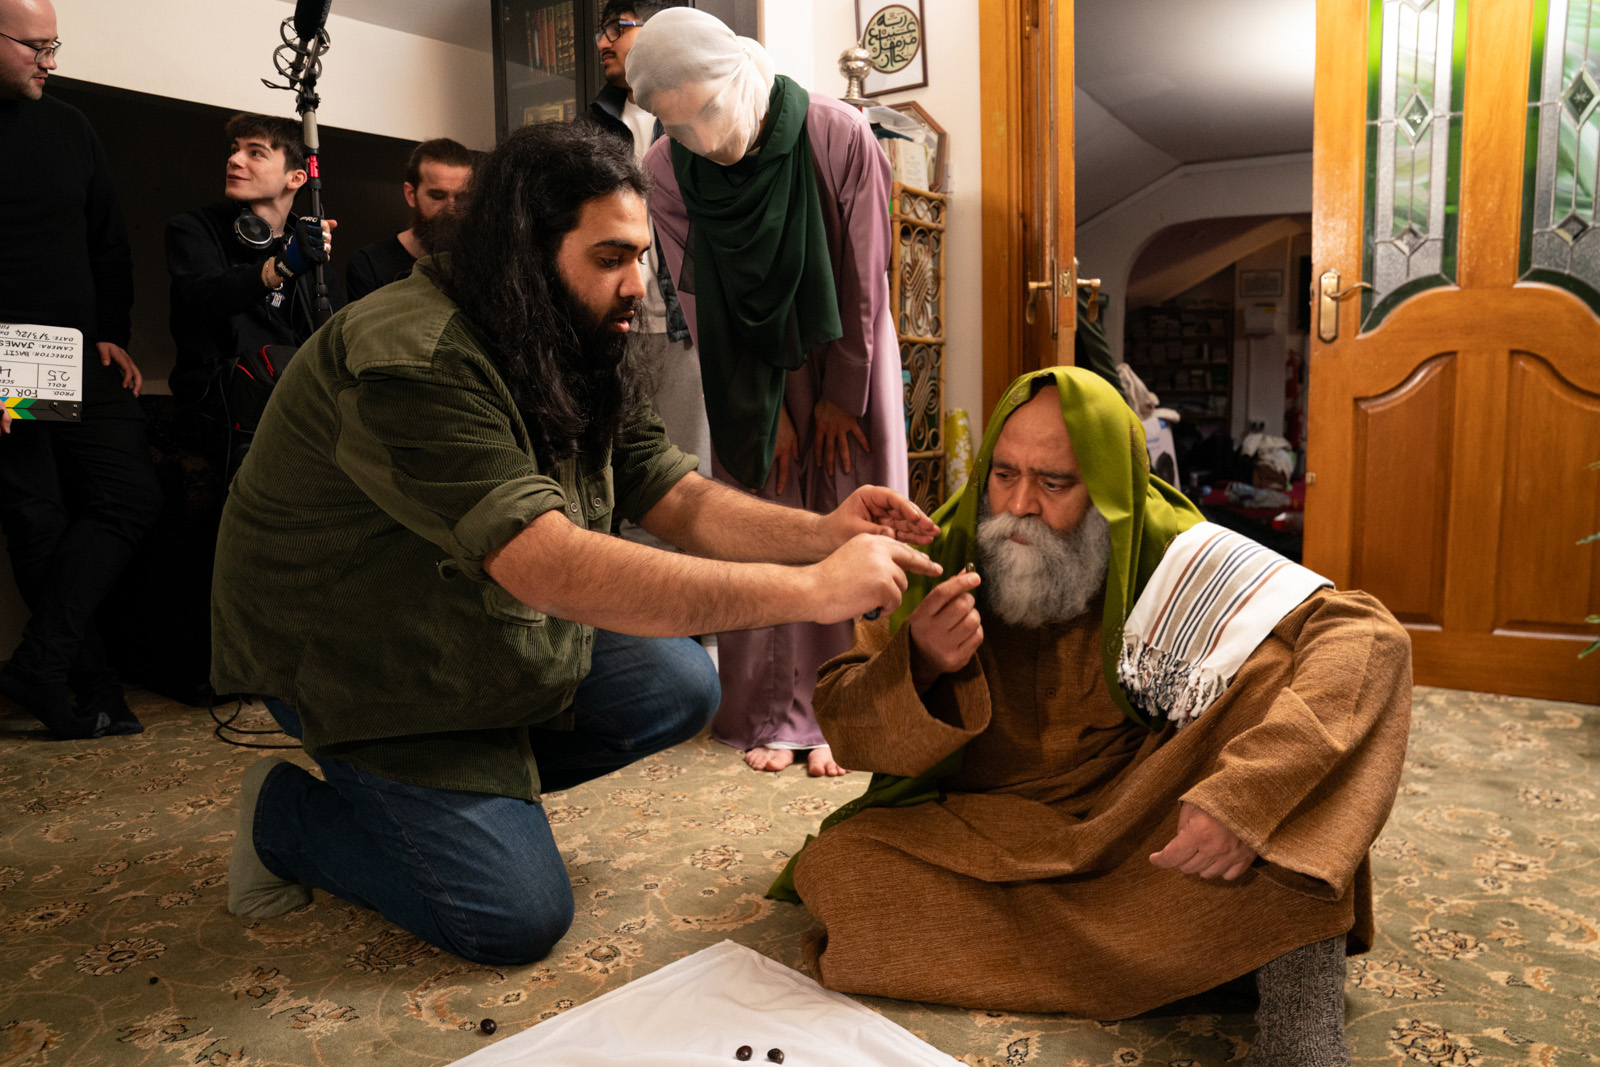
x: 1130, y: 757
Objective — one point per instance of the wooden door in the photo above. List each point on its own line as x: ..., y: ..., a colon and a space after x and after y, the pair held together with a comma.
x: 1029, y: 276
x: 1452, y: 420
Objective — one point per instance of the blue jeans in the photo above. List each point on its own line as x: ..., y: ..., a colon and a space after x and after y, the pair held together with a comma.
x: 476, y: 874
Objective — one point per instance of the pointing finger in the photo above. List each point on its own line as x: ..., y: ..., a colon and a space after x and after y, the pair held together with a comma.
x: 910, y: 559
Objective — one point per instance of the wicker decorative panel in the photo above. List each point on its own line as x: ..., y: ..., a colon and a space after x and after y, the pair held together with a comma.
x: 916, y: 295
x: 927, y: 480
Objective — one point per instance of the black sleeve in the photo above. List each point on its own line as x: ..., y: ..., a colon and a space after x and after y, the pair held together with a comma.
x: 204, y: 283
x: 1090, y: 349
x: 338, y: 295
x: 358, y: 277
x: 110, y: 257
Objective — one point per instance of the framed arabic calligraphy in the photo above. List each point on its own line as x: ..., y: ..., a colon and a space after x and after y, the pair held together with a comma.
x: 895, y: 36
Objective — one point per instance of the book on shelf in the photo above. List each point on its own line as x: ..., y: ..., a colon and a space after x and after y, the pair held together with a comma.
x: 524, y: 55
x: 565, y: 36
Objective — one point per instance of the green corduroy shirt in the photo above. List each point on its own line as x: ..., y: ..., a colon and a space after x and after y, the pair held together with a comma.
x: 349, y: 576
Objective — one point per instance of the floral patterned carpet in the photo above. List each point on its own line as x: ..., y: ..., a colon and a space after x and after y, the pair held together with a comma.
x: 116, y: 947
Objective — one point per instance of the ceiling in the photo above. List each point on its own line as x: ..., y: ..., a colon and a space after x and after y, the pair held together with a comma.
x: 1160, y: 83
x: 462, y: 22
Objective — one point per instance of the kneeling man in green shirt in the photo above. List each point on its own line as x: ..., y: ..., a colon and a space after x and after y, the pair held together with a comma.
x: 415, y: 566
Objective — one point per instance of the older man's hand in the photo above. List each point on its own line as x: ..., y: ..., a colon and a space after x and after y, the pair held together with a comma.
x: 945, y: 630
x: 1204, y: 847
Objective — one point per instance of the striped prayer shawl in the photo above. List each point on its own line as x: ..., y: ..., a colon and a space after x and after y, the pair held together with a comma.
x: 1213, y: 599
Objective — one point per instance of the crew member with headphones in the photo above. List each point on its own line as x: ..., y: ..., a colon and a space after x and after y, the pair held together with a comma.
x: 242, y: 273
x: 242, y: 284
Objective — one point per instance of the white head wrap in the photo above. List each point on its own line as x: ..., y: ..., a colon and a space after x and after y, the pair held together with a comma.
x: 707, y: 85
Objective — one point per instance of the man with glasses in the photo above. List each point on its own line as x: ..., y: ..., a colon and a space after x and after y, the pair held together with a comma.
x: 75, y: 497
x: 663, y: 346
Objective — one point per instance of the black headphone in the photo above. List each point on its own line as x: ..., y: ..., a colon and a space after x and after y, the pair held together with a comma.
x: 252, y: 230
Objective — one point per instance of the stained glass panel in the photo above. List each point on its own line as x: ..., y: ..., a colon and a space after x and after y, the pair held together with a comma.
x: 1562, y: 167
x: 1415, y: 54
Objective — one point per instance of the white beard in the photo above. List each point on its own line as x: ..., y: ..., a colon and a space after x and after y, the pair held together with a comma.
x: 1052, y: 578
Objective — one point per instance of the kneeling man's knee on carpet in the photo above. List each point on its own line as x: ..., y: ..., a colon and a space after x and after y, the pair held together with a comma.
x: 522, y: 928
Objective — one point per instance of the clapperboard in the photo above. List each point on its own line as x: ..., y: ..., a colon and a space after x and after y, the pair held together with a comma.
x: 41, y: 372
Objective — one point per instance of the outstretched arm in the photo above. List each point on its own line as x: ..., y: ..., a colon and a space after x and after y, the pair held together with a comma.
x: 572, y: 573
x: 714, y: 520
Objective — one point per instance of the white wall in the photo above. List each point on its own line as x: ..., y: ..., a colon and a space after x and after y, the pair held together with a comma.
x: 807, y: 50
x: 1258, y: 357
x: 1110, y: 243
x: 375, y: 80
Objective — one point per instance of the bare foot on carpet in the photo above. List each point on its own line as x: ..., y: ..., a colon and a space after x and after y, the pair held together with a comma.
x: 820, y: 764
x: 762, y: 758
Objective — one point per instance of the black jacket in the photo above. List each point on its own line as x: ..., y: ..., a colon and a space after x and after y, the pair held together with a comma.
x: 606, y: 112
x: 64, y: 257
x: 219, y: 307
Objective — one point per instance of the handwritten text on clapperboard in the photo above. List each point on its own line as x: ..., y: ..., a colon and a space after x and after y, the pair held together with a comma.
x: 40, y: 362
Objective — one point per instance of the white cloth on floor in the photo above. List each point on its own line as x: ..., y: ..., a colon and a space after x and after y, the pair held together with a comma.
x: 698, y: 1011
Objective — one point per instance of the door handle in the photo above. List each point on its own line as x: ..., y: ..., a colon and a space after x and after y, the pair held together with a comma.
x: 1034, y: 289
x: 1328, y: 296
x: 1091, y: 308
x: 1047, y: 289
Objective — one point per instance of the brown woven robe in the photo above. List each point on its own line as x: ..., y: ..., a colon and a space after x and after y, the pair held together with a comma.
x: 1029, y: 887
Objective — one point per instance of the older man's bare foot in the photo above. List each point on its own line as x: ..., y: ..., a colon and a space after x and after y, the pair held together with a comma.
x: 762, y: 758
x: 820, y: 764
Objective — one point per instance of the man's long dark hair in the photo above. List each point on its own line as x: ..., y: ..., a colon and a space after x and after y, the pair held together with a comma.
x: 526, y: 196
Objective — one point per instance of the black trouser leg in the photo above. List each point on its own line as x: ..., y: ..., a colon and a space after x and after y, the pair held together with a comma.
x: 75, y: 498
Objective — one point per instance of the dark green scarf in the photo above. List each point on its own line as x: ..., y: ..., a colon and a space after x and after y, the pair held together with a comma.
x: 1144, y: 514
x: 761, y: 278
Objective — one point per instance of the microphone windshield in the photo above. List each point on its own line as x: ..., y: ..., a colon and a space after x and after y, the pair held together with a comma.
x: 310, y: 16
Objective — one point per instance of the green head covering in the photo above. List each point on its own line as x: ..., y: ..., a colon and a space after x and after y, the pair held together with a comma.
x: 1143, y: 512
x: 762, y: 279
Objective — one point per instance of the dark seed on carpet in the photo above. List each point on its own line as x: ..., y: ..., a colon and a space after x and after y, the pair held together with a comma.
x: 488, y: 1027
x: 154, y: 979
x: 744, y: 1053
x: 775, y: 1055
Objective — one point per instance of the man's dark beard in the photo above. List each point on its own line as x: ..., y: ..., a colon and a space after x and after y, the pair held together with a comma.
x: 600, y: 348
x: 433, y: 234
x: 598, y: 372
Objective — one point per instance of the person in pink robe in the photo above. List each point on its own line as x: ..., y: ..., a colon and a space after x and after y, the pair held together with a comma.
x: 843, y: 415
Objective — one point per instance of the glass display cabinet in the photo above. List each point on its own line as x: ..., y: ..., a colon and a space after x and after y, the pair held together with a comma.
x: 546, y: 65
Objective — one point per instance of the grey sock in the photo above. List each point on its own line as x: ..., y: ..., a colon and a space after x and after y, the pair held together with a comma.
x: 253, y: 891
x: 1301, y: 1018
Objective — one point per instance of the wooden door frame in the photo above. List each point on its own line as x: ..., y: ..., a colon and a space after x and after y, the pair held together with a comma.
x: 1001, y: 39
x: 1004, y: 261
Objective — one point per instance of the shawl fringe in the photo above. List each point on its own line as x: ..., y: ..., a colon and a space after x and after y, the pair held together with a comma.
x: 1163, y: 685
